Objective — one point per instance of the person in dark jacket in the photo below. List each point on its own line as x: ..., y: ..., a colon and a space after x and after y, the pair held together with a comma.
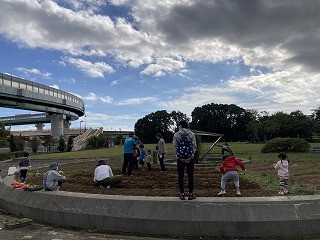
x: 24, y: 165
x: 229, y: 171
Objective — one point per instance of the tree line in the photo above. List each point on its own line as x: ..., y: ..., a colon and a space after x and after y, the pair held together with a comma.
x: 234, y: 122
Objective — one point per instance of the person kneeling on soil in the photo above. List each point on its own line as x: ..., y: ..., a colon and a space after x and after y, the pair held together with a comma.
x: 228, y: 168
x: 103, y: 176
x: 53, y: 179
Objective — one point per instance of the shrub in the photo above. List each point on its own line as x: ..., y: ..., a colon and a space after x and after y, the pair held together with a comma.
x: 286, y: 145
x: 10, y: 155
x: 96, y: 142
x: 62, y: 144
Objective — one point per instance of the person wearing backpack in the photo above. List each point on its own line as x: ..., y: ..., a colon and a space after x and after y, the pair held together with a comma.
x: 185, y: 145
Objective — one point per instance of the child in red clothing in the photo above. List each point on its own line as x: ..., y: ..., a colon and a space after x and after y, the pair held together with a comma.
x: 228, y: 168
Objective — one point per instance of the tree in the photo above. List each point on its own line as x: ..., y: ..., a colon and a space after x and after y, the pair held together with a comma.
x: 35, y: 143
x: 48, y: 141
x: 294, y: 125
x: 70, y: 144
x: 16, y: 143
x: 118, y: 140
x: 3, y: 136
x: 61, y: 144
x: 96, y: 142
x: 230, y: 120
x: 160, y: 121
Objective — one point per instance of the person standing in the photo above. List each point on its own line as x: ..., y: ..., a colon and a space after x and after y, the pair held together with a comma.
x: 185, y: 145
x: 282, y: 166
x: 104, y: 177
x: 142, y: 153
x: 24, y: 165
x: 128, y: 160
x: 161, y: 147
x: 149, y: 159
x: 53, y: 179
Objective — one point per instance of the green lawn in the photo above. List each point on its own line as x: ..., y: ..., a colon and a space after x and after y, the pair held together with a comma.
x: 241, y: 150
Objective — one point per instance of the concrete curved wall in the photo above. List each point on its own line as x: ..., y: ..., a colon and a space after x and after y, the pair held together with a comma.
x: 219, y: 217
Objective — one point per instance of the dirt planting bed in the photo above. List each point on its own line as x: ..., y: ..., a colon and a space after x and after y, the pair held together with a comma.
x: 151, y: 183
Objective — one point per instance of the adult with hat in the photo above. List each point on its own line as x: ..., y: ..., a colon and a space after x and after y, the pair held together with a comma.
x: 128, y: 160
x: 185, y: 145
x: 53, y: 179
x: 104, y: 177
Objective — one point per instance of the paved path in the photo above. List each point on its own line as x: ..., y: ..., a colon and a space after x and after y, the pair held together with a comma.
x: 39, y: 231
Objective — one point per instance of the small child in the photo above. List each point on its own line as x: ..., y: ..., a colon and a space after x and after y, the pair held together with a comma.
x: 149, y: 159
x: 282, y: 166
x: 141, y: 156
x: 135, y: 157
x: 229, y: 171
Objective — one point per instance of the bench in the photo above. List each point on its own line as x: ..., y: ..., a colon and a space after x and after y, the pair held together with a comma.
x: 316, y: 149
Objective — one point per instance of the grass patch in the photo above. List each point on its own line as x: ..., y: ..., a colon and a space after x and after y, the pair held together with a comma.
x: 266, y: 181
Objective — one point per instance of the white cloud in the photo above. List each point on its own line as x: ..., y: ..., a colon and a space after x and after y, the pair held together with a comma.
x: 280, y: 36
x: 93, y: 97
x: 95, y: 70
x: 55, y: 86
x: 106, y: 99
x: 198, y: 96
x: 90, y: 97
x: 134, y: 101
x: 33, y: 71
x: 114, y: 82
x: 108, y: 121
x: 163, y: 64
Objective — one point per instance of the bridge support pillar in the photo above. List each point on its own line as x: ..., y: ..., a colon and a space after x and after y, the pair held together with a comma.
x: 39, y: 126
x: 66, y: 125
x: 57, y: 125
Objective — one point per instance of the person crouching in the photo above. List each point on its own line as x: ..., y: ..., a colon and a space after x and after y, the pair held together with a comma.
x: 229, y: 171
x: 53, y: 179
x: 104, y: 177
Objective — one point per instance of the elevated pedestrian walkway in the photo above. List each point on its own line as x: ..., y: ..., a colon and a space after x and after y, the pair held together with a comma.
x: 284, y: 216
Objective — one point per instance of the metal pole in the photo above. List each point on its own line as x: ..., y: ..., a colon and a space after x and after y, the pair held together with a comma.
x: 211, y: 148
x: 80, y: 126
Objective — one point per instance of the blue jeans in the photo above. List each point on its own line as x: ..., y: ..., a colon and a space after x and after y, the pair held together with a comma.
x: 232, y: 175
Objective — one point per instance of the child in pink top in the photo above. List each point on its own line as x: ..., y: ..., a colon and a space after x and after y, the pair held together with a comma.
x: 282, y: 166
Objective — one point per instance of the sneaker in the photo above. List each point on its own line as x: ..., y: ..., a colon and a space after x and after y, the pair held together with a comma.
x: 182, y: 197
x: 191, y: 197
x: 221, y: 193
x: 286, y: 191
x: 281, y: 192
x: 238, y: 193
x: 108, y: 186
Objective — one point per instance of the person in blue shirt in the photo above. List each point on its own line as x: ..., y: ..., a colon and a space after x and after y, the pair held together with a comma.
x: 128, y: 160
x: 141, y: 156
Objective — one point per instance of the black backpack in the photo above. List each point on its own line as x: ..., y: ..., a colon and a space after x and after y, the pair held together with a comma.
x: 184, y: 148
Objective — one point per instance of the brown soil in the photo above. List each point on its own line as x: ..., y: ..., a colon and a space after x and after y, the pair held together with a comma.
x: 156, y: 183
x: 153, y: 183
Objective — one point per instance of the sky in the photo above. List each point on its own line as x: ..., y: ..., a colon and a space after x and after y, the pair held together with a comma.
x: 127, y: 59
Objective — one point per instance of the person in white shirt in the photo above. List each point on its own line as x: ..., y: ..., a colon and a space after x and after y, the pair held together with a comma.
x: 282, y: 166
x: 104, y: 177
